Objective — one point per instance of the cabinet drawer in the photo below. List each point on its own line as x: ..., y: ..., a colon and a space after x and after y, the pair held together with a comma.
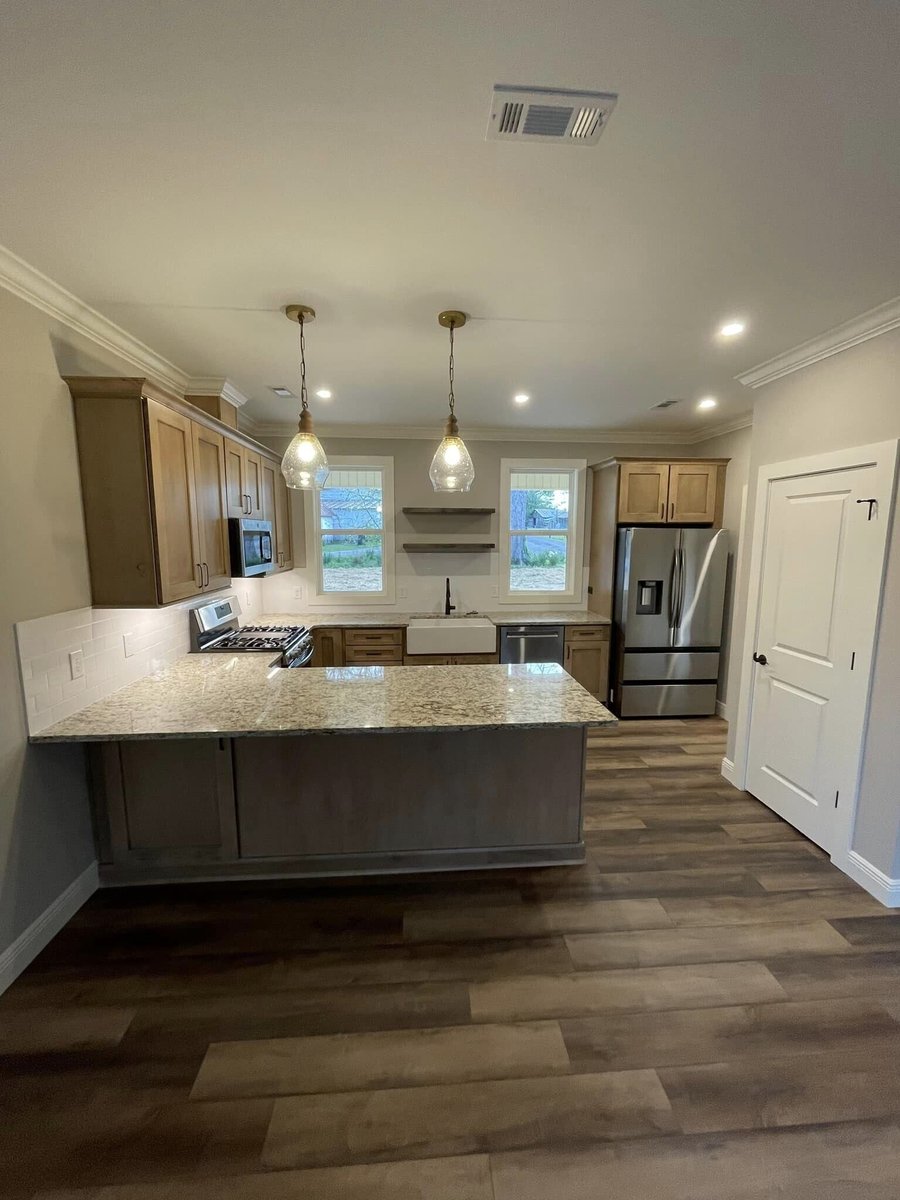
x: 586, y: 635
x: 373, y: 637
x: 357, y: 656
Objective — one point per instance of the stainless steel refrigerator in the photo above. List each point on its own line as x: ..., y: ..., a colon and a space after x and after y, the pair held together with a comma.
x: 669, y: 603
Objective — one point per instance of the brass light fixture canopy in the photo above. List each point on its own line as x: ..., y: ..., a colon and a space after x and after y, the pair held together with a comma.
x: 293, y: 312
x: 451, y: 468
x: 305, y: 465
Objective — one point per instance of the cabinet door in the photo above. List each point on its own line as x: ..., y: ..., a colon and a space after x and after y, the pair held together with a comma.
x: 692, y: 492
x: 235, y: 488
x: 284, y: 538
x: 209, y: 481
x: 276, y: 508
x: 589, y: 666
x: 174, y: 503
x: 643, y: 493
x: 328, y: 648
x: 253, y: 483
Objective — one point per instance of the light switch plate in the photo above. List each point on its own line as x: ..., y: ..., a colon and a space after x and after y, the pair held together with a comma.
x: 298, y: 593
x: 128, y: 640
x: 494, y: 590
x: 76, y: 664
x: 401, y: 592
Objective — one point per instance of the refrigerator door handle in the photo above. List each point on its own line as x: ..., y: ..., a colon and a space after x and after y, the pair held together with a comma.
x: 679, y: 602
x: 673, y: 594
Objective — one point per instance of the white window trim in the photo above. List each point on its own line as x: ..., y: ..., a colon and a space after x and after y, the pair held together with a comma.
x: 321, y: 598
x: 573, y: 596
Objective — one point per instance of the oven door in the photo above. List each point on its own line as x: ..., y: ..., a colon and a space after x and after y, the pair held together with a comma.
x: 252, y: 546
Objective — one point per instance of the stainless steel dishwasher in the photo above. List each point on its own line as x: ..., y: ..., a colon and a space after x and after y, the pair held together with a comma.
x: 532, y: 643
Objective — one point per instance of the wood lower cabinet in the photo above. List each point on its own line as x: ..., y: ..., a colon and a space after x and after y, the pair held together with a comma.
x: 165, y: 802
x: 212, y: 525
x: 328, y: 648
x: 450, y: 660
x: 179, y: 560
x: 363, y: 646
x: 586, y: 657
x: 276, y: 508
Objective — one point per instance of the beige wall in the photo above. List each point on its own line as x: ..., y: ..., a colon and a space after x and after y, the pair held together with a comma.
x: 850, y: 399
x: 475, y: 577
x: 735, y: 446
x: 45, y: 833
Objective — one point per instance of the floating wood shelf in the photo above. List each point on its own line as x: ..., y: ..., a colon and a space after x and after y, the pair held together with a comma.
x: 449, y: 512
x: 447, y: 547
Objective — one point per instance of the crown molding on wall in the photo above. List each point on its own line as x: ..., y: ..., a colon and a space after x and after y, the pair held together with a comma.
x: 30, y: 284
x: 868, y: 325
x: 650, y: 437
x: 216, y: 386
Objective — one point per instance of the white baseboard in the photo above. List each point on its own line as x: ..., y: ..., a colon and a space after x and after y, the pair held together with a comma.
x: 722, y: 710
x: 876, y: 883
x: 728, y: 771
x: 31, y: 942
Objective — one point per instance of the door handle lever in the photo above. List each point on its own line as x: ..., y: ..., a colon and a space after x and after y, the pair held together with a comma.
x: 760, y: 658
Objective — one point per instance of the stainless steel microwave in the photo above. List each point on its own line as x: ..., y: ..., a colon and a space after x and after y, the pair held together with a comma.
x: 252, y: 546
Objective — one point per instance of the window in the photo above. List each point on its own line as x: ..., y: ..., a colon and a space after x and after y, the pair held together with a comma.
x: 353, y: 531
x: 542, y: 529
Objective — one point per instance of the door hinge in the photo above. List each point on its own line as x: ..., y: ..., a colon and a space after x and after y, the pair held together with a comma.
x: 836, y: 795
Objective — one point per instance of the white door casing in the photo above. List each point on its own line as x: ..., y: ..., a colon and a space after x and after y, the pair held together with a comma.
x: 816, y: 578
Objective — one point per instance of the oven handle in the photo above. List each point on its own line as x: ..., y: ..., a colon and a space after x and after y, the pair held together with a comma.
x: 302, y: 661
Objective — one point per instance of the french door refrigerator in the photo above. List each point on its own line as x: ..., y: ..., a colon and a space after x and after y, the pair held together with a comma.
x: 667, y: 616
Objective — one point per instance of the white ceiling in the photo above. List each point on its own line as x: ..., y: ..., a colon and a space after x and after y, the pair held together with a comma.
x: 188, y: 168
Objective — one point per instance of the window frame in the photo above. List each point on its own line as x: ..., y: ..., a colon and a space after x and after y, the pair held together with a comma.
x: 314, y: 532
x: 576, y: 468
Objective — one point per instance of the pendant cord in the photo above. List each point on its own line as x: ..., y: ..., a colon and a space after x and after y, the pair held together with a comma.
x: 304, y: 401
x: 451, y: 397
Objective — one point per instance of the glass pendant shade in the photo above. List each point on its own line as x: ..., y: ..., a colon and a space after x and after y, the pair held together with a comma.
x: 451, y: 468
x: 305, y: 465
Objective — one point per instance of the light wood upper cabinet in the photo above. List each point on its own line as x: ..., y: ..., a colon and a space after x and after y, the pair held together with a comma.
x: 212, y: 524
x: 159, y: 479
x: 692, y: 492
x: 276, y: 508
x: 179, y: 561
x: 643, y: 492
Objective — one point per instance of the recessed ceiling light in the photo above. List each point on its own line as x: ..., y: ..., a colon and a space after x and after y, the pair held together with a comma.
x: 323, y: 394
x: 521, y: 398
x: 707, y: 402
x: 732, y: 328
x: 284, y: 392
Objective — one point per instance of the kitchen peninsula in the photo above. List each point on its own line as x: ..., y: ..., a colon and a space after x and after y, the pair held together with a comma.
x: 228, y: 765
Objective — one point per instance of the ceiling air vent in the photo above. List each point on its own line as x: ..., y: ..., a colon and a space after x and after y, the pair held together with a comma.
x: 524, y: 114
x: 666, y: 403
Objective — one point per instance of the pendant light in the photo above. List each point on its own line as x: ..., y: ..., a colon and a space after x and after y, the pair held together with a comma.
x: 451, y: 468
x: 304, y: 465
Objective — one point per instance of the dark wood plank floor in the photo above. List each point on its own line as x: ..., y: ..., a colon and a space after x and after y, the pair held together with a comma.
x: 707, y: 1010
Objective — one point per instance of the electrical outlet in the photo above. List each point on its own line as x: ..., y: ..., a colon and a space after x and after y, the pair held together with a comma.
x: 76, y: 664
x: 401, y: 592
x: 246, y: 599
x: 298, y: 593
x: 494, y: 591
x: 128, y: 640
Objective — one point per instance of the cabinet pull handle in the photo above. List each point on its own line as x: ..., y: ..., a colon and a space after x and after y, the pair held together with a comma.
x: 662, y: 511
x: 672, y: 511
x: 199, y: 581
x: 206, y: 574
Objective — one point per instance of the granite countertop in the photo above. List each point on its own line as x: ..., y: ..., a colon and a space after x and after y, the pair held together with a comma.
x: 219, y: 695
x: 394, y: 620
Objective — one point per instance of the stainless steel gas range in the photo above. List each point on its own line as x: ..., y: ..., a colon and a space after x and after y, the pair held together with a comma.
x: 215, y: 627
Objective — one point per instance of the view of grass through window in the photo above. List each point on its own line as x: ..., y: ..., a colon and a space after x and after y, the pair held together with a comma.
x: 538, y: 531
x: 351, y: 523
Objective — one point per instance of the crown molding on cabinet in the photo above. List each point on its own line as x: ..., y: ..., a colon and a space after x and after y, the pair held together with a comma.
x: 216, y: 386
x: 676, y: 437
x: 868, y: 325
x: 30, y: 284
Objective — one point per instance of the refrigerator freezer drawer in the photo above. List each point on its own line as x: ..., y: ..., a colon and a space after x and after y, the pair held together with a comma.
x: 668, y: 700
x: 679, y: 664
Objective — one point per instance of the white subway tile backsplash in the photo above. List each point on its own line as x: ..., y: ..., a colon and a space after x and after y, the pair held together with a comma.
x: 159, y: 637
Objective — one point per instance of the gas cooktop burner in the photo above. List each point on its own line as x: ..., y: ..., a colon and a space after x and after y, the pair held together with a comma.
x: 259, y: 637
x: 214, y: 627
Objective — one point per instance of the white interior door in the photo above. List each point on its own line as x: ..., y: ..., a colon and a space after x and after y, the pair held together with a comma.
x: 820, y: 573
